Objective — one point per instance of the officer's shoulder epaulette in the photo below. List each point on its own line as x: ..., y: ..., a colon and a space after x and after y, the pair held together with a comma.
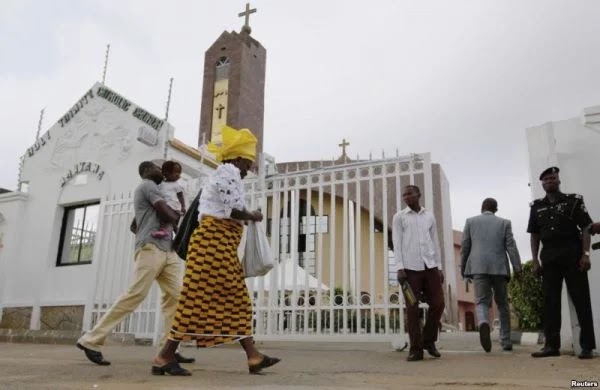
x: 535, y: 201
x: 575, y: 196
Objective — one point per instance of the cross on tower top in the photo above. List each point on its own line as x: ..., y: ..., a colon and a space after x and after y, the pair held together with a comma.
x: 343, y: 146
x: 246, y: 15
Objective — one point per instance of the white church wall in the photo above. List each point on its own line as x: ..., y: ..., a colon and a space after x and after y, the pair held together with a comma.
x: 573, y: 147
x: 29, y: 268
x: 11, y: 239
x: 91, y: 153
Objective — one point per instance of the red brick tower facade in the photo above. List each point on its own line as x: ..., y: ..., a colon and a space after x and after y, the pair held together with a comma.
x: 233, y: 89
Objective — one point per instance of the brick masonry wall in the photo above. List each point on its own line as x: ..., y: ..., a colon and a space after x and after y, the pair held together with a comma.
x: 16, y: 317
x: 246, y: 94
x: 61, y: 317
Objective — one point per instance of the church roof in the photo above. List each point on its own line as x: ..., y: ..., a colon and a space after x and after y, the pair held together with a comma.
x: 193, y: 152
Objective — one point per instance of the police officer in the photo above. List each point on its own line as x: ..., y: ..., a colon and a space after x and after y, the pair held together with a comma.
x: 561, y: 222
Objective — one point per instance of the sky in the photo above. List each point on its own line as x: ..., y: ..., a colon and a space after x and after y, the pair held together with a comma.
x: 460, y: 79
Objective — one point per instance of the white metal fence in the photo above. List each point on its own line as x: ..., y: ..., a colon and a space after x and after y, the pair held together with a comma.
x: 330, y: 232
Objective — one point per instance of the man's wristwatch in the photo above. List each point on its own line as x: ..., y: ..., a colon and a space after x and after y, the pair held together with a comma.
x: 586, y: 253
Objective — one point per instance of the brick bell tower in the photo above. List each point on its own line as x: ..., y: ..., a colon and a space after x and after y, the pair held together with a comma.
x: 233, y: 90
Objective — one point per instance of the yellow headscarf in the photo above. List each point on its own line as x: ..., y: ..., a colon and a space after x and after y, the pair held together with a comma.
x: 236, y: 143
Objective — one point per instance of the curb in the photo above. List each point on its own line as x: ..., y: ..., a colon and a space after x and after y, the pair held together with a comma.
x: 527, y: 338
x: 70, y: 337
x: 62, y: 337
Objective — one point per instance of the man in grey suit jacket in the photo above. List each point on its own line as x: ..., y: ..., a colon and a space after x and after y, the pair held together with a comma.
x: 487, y: 240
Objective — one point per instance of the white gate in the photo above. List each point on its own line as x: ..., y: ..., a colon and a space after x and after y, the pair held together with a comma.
x: 330, y: 232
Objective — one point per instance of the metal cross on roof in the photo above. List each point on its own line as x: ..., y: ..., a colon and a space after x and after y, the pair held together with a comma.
x: 246, y: 15
x: 343, y: 146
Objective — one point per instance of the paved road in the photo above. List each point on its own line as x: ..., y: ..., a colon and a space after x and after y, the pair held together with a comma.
x: 304, y: 366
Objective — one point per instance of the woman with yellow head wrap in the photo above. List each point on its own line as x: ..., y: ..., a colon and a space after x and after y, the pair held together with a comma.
x: 214, y: 305
x: 236, y: 143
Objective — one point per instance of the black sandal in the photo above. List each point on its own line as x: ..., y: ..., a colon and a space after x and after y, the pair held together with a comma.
x: 172, y: 368
x: 264, y: 363
x: 94, y: 356
x: 182, y: 359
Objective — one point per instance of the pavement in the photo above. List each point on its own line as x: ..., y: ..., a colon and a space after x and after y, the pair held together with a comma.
x: 304, y: 365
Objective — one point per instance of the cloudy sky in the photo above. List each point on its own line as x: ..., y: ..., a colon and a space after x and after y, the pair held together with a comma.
x: 459, y: 79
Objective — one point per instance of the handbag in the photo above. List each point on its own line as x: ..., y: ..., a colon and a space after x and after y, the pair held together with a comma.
x: 258, y: 257
x: 189, y: 223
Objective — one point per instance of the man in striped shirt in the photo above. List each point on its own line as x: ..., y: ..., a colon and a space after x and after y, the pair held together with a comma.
x: 417, y: 253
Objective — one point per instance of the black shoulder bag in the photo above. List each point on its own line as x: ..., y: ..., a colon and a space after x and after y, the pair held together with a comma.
x: 189, y: 223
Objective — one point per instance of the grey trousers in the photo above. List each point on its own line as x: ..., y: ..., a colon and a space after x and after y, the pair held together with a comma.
x: 484, y: 284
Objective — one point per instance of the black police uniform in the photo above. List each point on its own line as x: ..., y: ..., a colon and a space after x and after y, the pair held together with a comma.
x: 559, y: 227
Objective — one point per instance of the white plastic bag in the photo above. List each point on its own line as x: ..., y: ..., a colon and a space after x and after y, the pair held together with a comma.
x: 258, y: 258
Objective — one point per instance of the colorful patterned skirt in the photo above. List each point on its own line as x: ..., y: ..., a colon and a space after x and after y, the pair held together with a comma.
x: 214, y: 306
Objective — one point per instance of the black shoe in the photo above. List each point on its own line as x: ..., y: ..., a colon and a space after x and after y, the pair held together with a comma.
x: 94, y: 356
x: 546, y: 352
x: 507, y: 347
x: 484, y: 337
x: 264, y: 363
x: 586, y: 354
x: 182, y: 359
x: 415, y: 356
x: 432, y: 350
x: 172, y: 368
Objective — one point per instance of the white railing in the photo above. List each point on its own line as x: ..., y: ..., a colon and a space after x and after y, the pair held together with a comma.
x: 330, y: 234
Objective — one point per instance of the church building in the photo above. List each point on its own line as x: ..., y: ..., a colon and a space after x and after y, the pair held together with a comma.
x: 61, y: 225
x: 66, y: 251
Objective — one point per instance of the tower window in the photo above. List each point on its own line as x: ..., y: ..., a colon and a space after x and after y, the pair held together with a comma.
x: 222, y: 68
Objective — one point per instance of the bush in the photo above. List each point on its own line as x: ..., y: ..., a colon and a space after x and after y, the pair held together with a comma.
x: 527, y: 299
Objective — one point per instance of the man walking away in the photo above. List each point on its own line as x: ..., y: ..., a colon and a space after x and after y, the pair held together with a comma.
x: 487, y: 245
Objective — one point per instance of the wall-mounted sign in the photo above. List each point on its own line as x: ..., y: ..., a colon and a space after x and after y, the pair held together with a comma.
x: 43, y: 140
x: 114, y: 98
x: 148, y: 137
x: 124, y: 105
x: 76, y: 108
x: 82, y: 167
x: 148, y: 118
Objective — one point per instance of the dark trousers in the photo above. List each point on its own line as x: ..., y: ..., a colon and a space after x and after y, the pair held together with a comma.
x: 579, y: 290
x: 429, y: 283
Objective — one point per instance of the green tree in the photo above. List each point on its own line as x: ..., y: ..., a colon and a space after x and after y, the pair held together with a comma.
x: 527, y: 298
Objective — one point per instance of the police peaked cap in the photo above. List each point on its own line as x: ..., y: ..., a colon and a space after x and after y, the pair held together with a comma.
x: 549, y: 171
